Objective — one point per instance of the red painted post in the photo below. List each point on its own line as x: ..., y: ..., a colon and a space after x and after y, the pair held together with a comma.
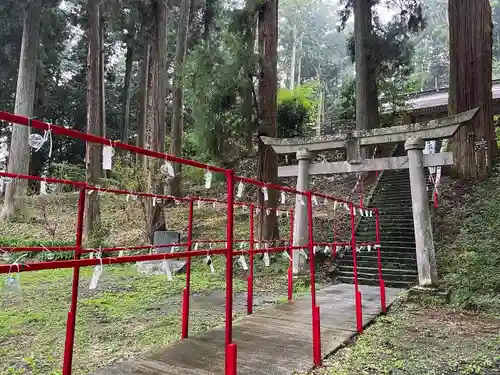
x: 357, y: 293
x: 232, y: 358
x: 250, y: 269
x: 290, y: 267
x: 312, y: 269
x: 316, y: 337
x: 359, y: 312
x: 312, y: 265
x: 70, y: 324
x: 187, y: 289
x: 379, y: 261
x: 435, y: 199
x: 229, y: 272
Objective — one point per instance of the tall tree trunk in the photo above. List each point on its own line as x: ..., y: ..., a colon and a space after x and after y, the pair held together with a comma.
x: 156, y: 112
x: 293, y: 59
x: 102, y: 77
x: 268, y: 86
x: 367, y: 115
x: 470, y: 84
x: 19, y: 152
x: 320, y: 112
x: 178, y: 95
x: 247, y: 88
x: 299, y: 63
x: 94, y: 126
x: 129, y: 59
x: 143, y: 90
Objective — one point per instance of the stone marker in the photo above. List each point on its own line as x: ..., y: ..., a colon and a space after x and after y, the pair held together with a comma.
x: 155, y: 266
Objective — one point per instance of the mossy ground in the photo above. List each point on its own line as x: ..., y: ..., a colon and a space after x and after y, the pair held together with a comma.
x: 417, y: 339
x: 128, y: 314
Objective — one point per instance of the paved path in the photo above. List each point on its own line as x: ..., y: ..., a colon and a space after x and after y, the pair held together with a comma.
x: 274, y: 341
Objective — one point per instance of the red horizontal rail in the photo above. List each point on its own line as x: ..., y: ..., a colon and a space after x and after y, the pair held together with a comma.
x: 38, y: 266
x: 61, y: 130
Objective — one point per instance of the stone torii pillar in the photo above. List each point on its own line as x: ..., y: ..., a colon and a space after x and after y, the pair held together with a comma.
x: 424, y: 242
x: 300, y: 227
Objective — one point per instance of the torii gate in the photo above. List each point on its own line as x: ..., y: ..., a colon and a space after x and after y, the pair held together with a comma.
x: 414, y: 136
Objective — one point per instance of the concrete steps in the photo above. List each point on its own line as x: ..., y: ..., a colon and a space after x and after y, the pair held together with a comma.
x: 399, y: 269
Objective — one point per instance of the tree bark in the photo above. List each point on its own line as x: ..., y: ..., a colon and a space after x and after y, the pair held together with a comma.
x: 294, y: 55
x: 19, y: 153
x: 143, y: 90
x: 178, y: 95
x: 102, y: 77
x: 156, y: 112
x: 94, y: 126
x: 129, y: 60
x: 367, y: 116
x: 299, y: 63
x: 470, y: 84
x: 268, y: 85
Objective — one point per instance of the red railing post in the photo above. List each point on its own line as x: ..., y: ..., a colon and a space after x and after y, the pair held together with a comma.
x: 70, y: 323
x: 312, y: 265
x: 435, y: 195
x: 357, y: 294
x: 379, y: 261
x: 290, y: 268
x: 233, y: 358
x: 187, y: 289
x: 230, y: 362
x: 316, y: 334
x: 250, y: 268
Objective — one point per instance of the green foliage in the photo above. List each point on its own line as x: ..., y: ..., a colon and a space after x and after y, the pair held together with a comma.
x: 296, y: 110
x: 469, y: 258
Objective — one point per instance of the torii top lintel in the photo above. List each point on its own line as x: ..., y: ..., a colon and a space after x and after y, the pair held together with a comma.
x: 434, y: 129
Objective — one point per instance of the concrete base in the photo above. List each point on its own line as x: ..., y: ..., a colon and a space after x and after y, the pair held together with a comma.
x: 427, y: 292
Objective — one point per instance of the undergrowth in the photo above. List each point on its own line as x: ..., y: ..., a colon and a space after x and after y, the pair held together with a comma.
x: 468, y: 234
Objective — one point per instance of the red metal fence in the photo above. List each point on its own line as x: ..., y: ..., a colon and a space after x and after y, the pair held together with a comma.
x: 308, y: 198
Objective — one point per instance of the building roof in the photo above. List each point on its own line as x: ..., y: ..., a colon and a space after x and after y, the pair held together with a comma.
x: 431, y: 100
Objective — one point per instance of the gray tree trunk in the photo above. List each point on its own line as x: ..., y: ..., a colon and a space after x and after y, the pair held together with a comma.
x: 94, y: 126
x: 293, y: 60
x: 143, y: 89
x: 178, y: 95
x: 367, y: 116
x: 299, y: 63
x: 19, y: 152
x: 129, y: 59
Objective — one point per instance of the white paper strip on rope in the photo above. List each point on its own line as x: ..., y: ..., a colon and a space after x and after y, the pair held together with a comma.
x: 314, y: 200
x: 208, y: 179
x: 283, y: 197
x: 243, y: 263
x: 167, y: 169
x: 241, y: 187
x: 210, y: 263
x: 265, y: 192
x: 107, y: 157
x: 267, y: 261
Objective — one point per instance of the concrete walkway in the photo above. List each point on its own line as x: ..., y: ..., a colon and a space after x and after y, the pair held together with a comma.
x: 274, y: 341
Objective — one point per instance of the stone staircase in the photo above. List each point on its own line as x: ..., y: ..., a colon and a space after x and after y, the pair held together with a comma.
x: 393, y: 198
